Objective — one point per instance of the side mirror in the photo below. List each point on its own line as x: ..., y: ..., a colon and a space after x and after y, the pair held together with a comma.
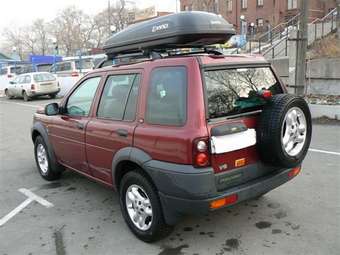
x: 12, y: 82
x: 52, y: 109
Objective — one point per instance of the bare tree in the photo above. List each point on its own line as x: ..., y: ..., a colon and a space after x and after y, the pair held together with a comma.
x: 40, y: 31
x: 13, y: 39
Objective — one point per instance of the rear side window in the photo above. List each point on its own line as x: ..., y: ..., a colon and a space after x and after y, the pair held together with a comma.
x: 236, y: 91
x: 119, y: 97
x: 84, y: 64
x: 167, y: 98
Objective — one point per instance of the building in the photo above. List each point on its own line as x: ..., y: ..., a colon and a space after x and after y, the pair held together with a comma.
x: 260, y: 12
x: 146, y: 14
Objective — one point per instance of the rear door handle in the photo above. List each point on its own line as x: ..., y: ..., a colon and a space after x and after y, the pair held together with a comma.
x: 122, y: 132
x: 80, y: 125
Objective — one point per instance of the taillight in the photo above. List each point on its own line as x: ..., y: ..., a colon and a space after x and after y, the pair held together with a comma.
x: 75, y: 74
x: 201, y: 154
x: 9, y: 76
x: 32, y: 87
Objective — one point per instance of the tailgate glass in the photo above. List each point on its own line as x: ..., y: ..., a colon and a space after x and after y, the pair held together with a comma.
x: 236, y: 91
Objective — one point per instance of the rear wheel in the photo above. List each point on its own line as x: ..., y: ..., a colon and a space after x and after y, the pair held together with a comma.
x: 52, y: 96
x: 44, y: 164
x: 7, y: 94
x: 141, y: 208
x: 25, y: 96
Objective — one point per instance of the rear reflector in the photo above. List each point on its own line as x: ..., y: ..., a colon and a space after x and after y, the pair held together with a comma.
x: 294, y: 172
x: 240, y: 162
x: 224, y: 201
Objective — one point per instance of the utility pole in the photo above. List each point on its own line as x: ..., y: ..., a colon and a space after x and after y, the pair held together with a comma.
x: 338, y: 19
x: 302, y: 43
x: 109, y: 17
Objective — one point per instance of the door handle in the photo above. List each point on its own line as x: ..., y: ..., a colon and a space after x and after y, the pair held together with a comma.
x: 80, y: 125
x: 122, y: 132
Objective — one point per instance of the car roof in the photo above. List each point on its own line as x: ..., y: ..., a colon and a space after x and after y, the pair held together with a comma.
x: 34, y: 73
x: 204, y: 59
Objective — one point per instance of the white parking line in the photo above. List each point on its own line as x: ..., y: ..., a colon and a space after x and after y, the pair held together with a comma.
x: 326, y: 152
x: 21, y: 104
x: 30, y: 198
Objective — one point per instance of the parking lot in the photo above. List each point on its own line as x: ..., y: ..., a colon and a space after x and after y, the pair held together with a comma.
x: 301, y: 217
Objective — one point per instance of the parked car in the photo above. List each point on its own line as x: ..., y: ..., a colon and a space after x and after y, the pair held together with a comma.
x: 7, y: 74
x: 177, y: 134
x: 31, y: 85
x: 72, y: 68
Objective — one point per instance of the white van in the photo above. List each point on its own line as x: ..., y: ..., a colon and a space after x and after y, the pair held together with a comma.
x: 7, y: 74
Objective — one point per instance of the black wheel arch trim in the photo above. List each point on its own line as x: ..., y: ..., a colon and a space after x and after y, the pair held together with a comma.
x: 41, y: 129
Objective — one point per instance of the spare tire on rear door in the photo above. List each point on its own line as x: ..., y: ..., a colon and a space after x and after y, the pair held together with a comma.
x: 284, y: 131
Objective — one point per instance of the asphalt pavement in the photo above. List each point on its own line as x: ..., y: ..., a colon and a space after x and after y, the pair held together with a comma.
x: 300, y: 217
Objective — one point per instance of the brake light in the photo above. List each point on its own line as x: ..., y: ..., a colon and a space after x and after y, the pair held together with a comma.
x: 32, y: 87
x: 75, y: 74
x: 201, y: 154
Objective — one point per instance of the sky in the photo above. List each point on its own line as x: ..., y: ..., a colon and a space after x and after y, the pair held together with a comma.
x: 23, y: 12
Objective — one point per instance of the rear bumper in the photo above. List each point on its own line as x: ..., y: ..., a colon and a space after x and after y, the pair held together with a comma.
x: 37, y: 93
x: 192, y: 193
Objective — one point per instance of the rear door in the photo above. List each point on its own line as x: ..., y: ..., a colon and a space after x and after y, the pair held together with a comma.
x: 113, y: 125
x: 234, y: 104
x: 68, y: 129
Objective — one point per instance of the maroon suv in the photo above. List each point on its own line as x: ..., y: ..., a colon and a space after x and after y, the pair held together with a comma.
x: 176, y: 135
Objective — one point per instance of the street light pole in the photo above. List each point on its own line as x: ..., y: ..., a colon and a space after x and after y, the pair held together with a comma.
x: 302, y: 43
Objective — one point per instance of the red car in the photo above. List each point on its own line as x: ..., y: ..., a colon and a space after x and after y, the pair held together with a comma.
x: 176, y: 135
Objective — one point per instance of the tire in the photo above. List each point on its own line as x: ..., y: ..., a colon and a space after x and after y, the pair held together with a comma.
x: 50, y: 172
x: 281, y: 140
x: 25, y: 96
x: 52, y: 96
x: 8, y: 95
x: 157, y: 228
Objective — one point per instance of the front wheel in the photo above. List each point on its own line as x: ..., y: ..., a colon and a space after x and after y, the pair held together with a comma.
x: 141, y: 208
x: 43, y: 161
x: 52, y: 96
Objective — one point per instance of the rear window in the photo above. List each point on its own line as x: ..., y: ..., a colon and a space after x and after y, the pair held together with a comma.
x: 15, y: 70
x: 236, y: 91
x: 167, y: 98
x: 43, y: 77
x: 84, y: 64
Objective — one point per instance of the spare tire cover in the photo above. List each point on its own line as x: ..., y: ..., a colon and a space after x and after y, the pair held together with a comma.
x: 284, y: 131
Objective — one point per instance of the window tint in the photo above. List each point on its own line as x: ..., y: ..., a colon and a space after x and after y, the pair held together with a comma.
x: 235, y: 91
x: 79, y: 103
x: 166, y: 103
x: 115, y: 95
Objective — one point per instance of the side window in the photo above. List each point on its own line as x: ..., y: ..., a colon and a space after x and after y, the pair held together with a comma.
x: 27, y: 79
x: 167, y: 98
x: 114, y: 99
x: 80, y: 101
x: 21, y: 80
x: 3, y: 71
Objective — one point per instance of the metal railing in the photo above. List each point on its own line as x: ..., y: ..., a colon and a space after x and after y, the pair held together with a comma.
x: 324, y: 26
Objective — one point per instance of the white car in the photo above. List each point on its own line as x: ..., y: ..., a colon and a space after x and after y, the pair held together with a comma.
x: 7, y: 74
x: 32, y: 85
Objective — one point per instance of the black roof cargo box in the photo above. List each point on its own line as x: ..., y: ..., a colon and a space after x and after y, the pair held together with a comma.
x: 181, y: 30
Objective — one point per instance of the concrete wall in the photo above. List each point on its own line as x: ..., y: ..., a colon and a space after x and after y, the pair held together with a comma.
x: 323, y: 76
x: 330, y: 111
